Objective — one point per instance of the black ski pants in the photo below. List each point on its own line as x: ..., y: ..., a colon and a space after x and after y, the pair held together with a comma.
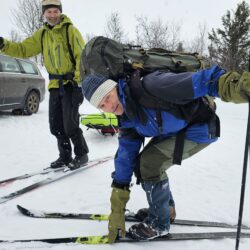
x: 64, y: 121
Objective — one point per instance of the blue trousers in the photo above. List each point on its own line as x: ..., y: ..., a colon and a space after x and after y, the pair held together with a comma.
x: 159, y: 199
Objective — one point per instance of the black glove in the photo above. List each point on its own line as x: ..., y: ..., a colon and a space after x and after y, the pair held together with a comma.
x: 77, y: 96
x: 1, y: 42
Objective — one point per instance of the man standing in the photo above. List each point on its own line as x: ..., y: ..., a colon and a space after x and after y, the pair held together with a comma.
x: 61, y: 45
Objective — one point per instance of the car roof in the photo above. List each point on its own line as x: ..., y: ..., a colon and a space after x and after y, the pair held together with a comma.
x: 23, y: 59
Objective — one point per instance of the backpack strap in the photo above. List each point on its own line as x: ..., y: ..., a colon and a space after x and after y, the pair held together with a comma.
x: 42, y: 35
x: 159, y: 119
x: 72, y: 58
x: 179, y: 146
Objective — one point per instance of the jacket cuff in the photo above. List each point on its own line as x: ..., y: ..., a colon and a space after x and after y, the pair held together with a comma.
x: 124, y: 186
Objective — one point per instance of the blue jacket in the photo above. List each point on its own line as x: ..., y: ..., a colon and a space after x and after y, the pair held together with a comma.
x: 177, y: 88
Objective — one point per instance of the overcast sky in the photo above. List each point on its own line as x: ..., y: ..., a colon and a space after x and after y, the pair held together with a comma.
x: 90, y: 16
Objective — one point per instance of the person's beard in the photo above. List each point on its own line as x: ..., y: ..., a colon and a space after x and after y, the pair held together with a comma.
x: 53, y: 21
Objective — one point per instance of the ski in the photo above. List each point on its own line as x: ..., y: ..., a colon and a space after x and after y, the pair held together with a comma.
x: 128, y: 217
x: 25, y: 176
x: 104, y: 238
x: 59, y: 175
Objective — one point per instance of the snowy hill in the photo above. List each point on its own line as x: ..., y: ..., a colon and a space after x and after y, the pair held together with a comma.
x: 205, y: 187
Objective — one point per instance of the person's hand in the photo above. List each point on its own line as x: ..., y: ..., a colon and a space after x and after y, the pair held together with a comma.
x: 245, y: 82
x: 1, y: 42
x: 234, y: 87
x: 119, y: 199
x: 77, y: 96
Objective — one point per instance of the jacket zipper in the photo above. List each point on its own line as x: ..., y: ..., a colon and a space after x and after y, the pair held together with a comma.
x: 59, y: 56
x: 50, y: 58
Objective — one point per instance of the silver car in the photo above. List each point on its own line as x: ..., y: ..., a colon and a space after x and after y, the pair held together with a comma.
x: 22, y: 87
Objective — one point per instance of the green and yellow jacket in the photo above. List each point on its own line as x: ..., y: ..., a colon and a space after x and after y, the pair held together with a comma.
x: 56, y: 55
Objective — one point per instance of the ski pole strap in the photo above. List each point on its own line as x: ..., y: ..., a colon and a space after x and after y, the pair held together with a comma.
x: 61, y: 78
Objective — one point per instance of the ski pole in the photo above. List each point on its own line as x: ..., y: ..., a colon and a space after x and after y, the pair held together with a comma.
x: 244, y: 173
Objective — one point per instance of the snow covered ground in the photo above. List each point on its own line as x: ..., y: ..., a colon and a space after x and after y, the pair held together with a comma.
x: 205, y: 187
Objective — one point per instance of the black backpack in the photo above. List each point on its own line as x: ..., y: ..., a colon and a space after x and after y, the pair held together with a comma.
x: 115, y: 60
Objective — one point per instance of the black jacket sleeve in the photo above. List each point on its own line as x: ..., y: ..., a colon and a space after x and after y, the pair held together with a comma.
x: 171, y: 87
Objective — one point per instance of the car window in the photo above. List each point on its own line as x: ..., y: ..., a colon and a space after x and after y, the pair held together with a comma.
x: 29, y: 67
x: 9, y: 64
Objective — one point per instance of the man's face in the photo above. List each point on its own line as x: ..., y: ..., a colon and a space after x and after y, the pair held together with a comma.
x: 111, y: 103
x: 52, y: 16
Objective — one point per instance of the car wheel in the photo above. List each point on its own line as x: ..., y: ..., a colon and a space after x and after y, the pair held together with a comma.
x: 32, y: 103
